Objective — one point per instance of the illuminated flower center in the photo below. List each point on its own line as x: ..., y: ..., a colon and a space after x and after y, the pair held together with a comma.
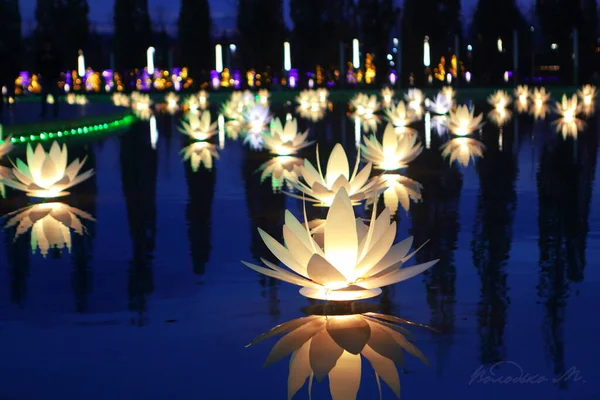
x: 569, y: 116
x: 587, y: 99
x: 523, y: 99
x: 360, y: 110
x: 463, y: 127
x: 539, y: 102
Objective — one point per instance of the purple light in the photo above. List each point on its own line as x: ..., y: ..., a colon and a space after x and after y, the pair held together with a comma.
x: 237, y: 79
x: 215, y: 79
x: 293, y: 77
x: 393, y: 77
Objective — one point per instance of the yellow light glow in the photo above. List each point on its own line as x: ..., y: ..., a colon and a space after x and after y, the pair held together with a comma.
x: 395, y: 151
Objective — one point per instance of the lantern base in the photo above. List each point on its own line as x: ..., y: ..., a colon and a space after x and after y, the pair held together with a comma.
x: 46, y: 194
x: 347, y: 294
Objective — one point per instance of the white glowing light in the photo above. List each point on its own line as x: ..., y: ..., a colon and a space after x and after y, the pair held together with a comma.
x: 426, y: 52
x: 292, y: 81
x: 221, y: 124
x: 427, y: 130
x: 499, y: 44
x: 81, y: 64
x: 150, y: 60
x: 287, y: 56
x: 218, y: 59
x: 449, y: 78
x: 468, y: 77
x: 153, y: 132
x: 355, y: 54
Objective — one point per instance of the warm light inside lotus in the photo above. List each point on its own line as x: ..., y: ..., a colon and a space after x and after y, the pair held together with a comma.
x: 46, y: 175
x: 285, y: 141
x: 322, y: 189
x: 387, y: 96
x: 172, y: 101
x: 448, y: 93
x: 499, y: 100
x: 522, y: 93
x: 333, y: 346
x: 540, y: 97
x: 199, y: 128
x: 50, y: 225
x: 348, y: 261
x: 462, y: 122
x: 401, y: 117
x: 568, y: 124
x: 587, y: 94
x: 394, y: 152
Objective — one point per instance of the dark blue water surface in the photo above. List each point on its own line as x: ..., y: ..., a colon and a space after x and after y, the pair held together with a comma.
x: 154, y: 303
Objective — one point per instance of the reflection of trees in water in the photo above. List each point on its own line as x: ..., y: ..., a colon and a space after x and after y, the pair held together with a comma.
x: 138, y: 175
x: 17, y: 252
x: 84, y: 198
x: 492, y: 239
x: 201, y: 192
x: 266, y: 210
x: 565, y: 180
x: 436, y: 219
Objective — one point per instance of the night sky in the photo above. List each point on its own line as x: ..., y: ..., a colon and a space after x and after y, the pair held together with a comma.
x: 223, y: 11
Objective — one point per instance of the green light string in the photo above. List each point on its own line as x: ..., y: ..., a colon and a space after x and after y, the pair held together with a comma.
x: 81, y: 130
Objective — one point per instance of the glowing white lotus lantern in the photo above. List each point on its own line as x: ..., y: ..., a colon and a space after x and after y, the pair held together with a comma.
x: 394, y: 152
x: 312, y: 104
x: 463, y: 150
x: 172, y: 101
x: 387, y: 97
x: 118, y: 99
x: 333, y: 346
x: 200, y: 153
x: 281, y: 170
x: 415, y: 99
x: 285, y: 141
x: 463, y: 122
x: 539, y: 107
x: 199, y: 128
x: 50, y: 224
x: 440, y: 104
x: 348, y: 262
x: 256, y: 120
x: 568, y: 124
x: 522, y: 95
x: 141, y: 105
x: 81, y: 100
x: 323, y: 95
x: 263, y: 97
x: 401, y: 118
x: 365, y: 109
x: 587, y: 94
x: 449, y: 93
x: 46, y: 175
x: 193, y: 104
x: 321, y: 189
x: 71, y: 98
x: 50, y: 99
x: 500, y: 100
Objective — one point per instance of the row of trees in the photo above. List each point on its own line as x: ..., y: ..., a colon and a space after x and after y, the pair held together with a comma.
x: 318, y: 29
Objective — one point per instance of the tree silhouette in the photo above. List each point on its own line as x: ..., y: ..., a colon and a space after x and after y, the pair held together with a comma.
x: 10, y: 44
x: 133, y: 32
x: 195, y: 41
x: 261, y: 30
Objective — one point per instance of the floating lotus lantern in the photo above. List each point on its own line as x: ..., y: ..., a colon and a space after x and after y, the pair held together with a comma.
x: 141, y: 104
x: 400, y: 190
x: 312, y: 104
x: 587, y: 94
x: 539, y: 106
x: 365, y: 108
x: 440, y: 104
x: 193, y: 104
x: 522, y: 95
x: 348, y: 262
x: 394, y: 152
x: 46, y: 175
x: 120, y: 100
x: 81, y: 100
x: 500, y: 100
x: 256, y: 120
x: 568, y: 124
x: 322, y: 189
x: 401, y: 118
x: 200, y: 153
x: 172, y: 101
x: 247, y: 98
x: 199, y: 128
x: 333, y: 346
x: 50, y: 224
x: 462, y: 123
x: 203, y: 99
x: 387, y: 97
x: 71, y: 98
x: 415, y: 98
x: 323, y: 96
x: 263, y: 97
x: 285, y: 141
x: 281, y: 170
x: 449, y: 93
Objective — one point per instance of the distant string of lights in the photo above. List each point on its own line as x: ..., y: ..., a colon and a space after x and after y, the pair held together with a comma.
x: 76, y: 131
